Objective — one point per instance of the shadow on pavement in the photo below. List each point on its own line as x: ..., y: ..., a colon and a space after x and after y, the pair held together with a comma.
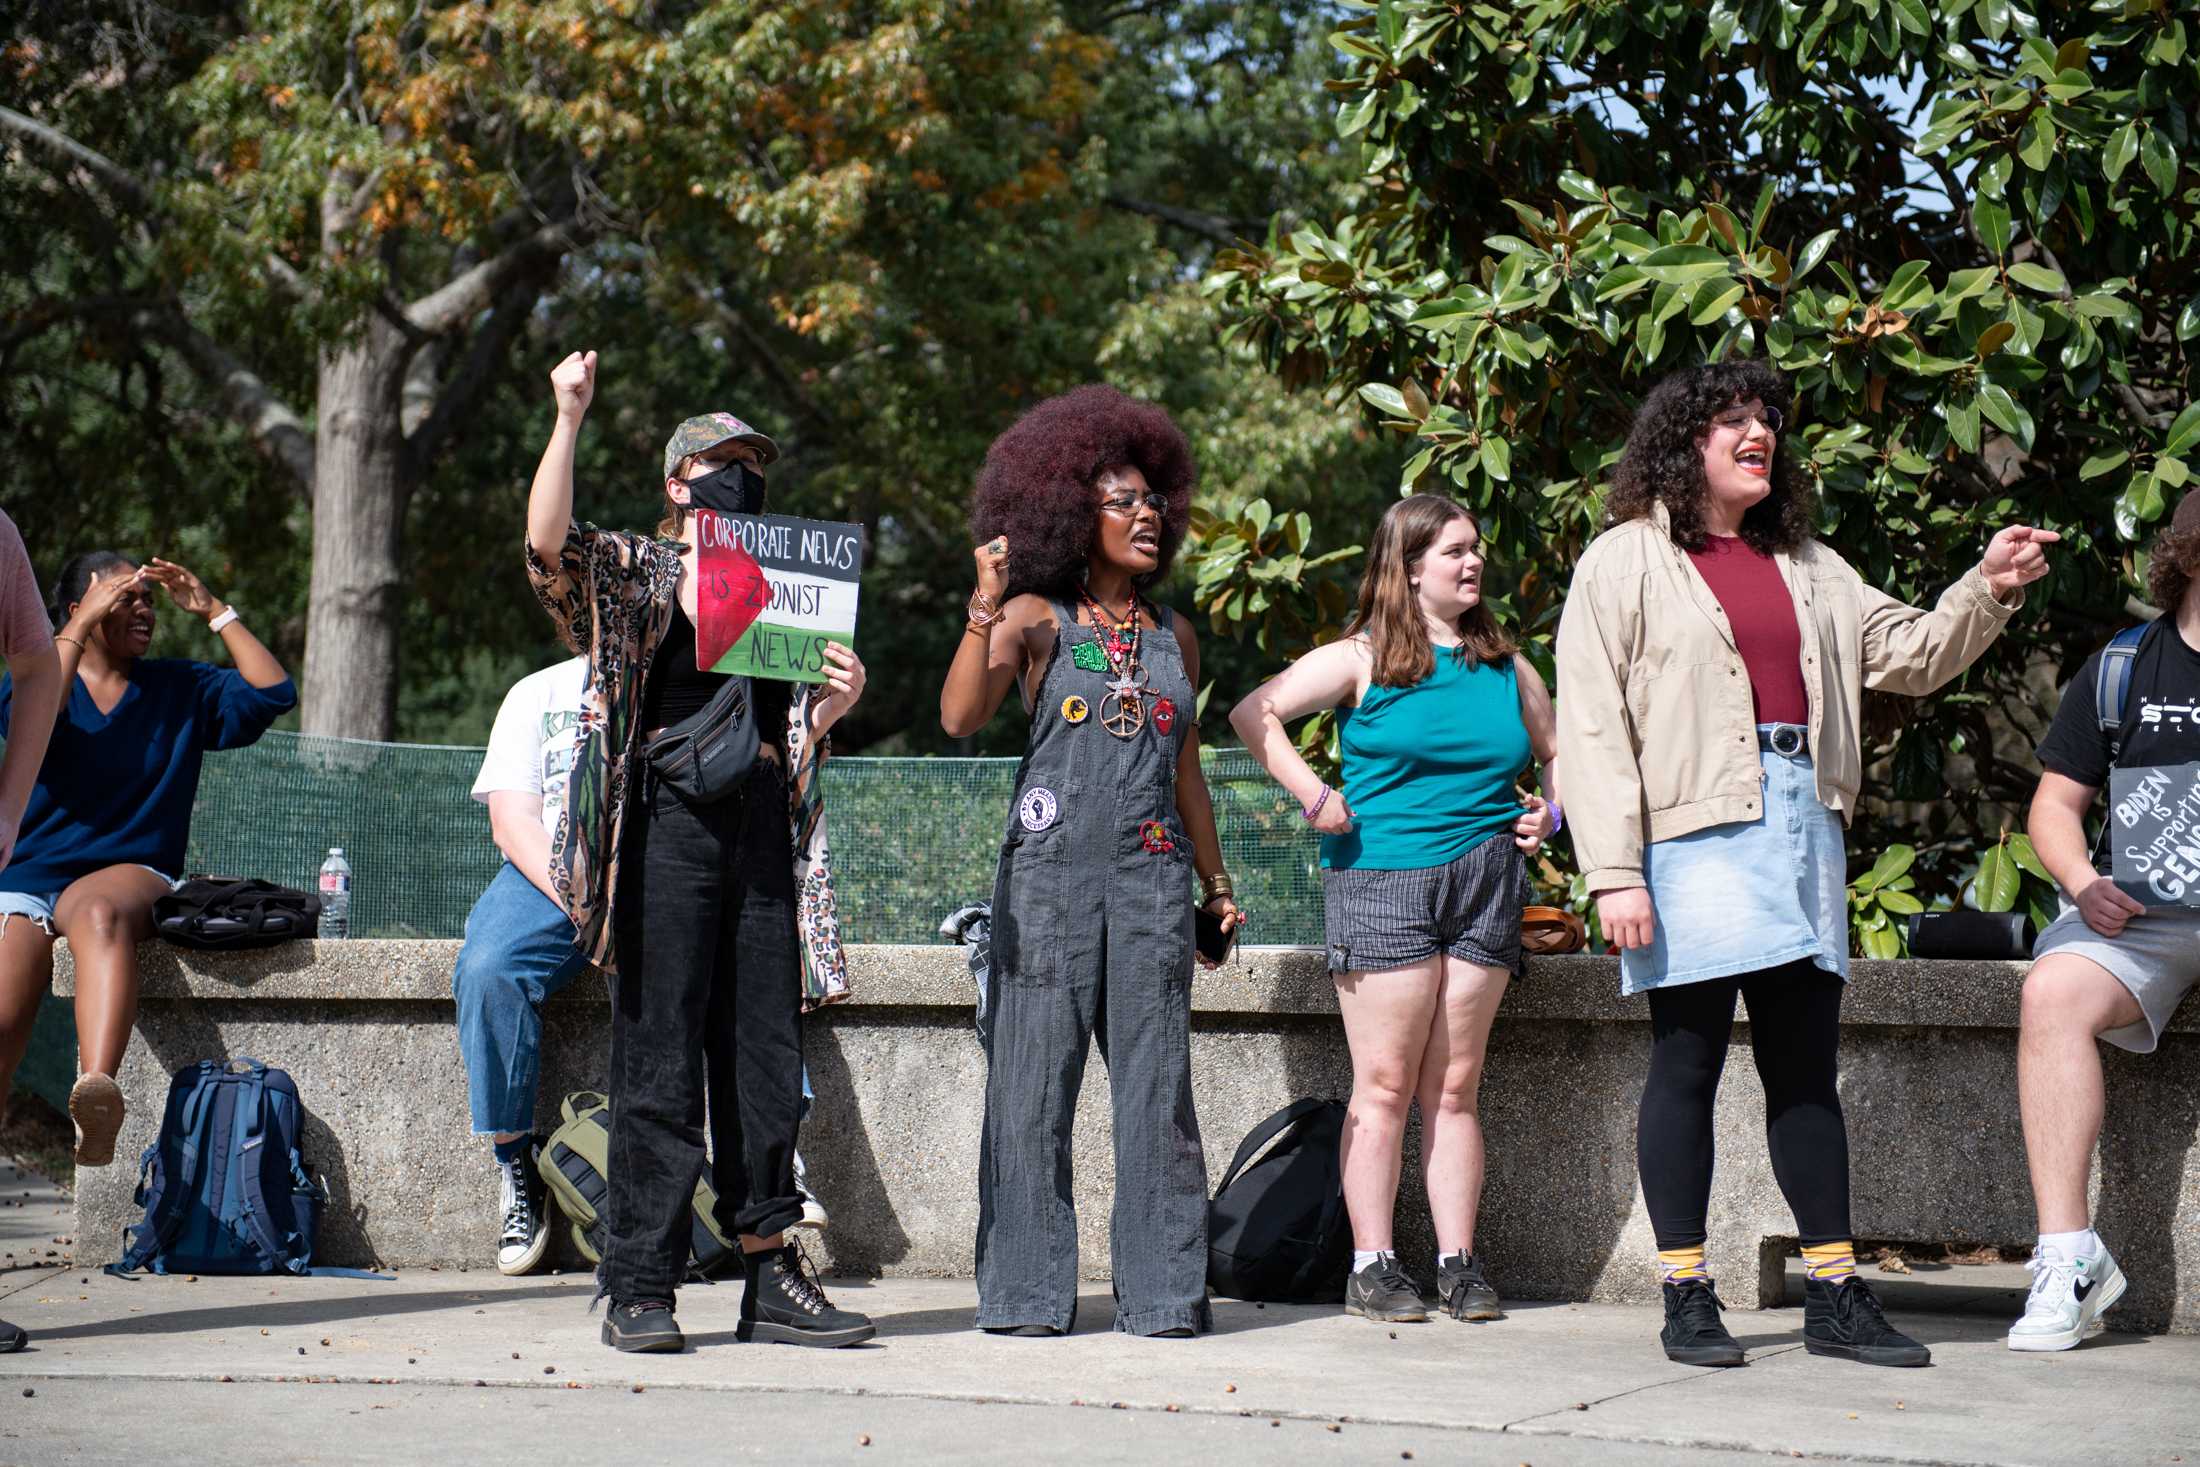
x: 273, y: 1312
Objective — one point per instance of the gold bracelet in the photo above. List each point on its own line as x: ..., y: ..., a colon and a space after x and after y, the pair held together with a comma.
x: 984, y: 611
x: 78, y: 640
x: 1218, y: 885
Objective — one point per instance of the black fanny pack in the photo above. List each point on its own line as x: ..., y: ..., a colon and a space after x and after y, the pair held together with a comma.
x: 704, y: 758
x: 227, y: 914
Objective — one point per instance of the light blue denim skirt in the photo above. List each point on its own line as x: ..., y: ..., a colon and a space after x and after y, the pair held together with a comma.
x: 1747, y: 895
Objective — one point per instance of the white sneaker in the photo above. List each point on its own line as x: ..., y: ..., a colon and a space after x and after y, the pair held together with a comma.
x: 814, y: 1217
x: 2068, y: 1298
x: 525, y: 1234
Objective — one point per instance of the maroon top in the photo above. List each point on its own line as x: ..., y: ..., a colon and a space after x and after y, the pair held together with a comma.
x: 1762, y: 615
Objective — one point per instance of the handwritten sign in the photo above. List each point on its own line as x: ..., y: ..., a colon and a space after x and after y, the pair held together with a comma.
x: 2154, y: 833
x: 771, y: 591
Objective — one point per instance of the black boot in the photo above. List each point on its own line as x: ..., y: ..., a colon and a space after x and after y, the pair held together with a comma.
x: 1843, y: 1320
x: 1692, y: 1333
x: 784, y: 1304
x: 644, y: 1327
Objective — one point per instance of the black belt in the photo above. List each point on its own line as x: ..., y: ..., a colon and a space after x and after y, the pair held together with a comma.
x: 1789, y: 740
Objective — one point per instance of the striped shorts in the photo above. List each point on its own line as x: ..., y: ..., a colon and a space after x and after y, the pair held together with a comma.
x: 1469, y: 907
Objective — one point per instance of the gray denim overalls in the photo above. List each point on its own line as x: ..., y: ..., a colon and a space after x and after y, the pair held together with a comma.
x: 1092, y: 937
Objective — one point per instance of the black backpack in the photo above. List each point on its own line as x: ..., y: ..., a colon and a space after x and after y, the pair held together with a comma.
x: 223, y: 914
x: 1277, y: 1229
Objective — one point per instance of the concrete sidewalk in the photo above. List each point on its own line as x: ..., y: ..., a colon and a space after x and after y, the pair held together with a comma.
x: 509, y: 1370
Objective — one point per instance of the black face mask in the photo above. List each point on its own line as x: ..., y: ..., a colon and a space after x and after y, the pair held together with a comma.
x: 734, y: 489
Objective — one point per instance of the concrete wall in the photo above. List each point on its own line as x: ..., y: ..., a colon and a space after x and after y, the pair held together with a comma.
x: 1928, y: 1079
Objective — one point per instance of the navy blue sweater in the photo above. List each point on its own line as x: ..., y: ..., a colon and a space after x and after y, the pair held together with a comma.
x: 117, y: 788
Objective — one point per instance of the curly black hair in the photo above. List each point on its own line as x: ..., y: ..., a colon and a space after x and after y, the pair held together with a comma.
x: 2170, y: 565
x: 1036, y: 486
x: 1662, y: 462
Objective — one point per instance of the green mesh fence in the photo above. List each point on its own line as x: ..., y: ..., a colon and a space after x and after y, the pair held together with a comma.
x: 912, y: 838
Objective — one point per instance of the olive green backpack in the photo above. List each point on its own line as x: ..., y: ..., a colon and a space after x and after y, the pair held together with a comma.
x: 576, y: 1168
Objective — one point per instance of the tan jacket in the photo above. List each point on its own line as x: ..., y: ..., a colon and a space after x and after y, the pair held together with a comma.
x: 1656, y: 731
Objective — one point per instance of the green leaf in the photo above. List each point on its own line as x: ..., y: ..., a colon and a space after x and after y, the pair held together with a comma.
x: 2172, y: 472
x: 1715, y: 301
x: 2188, y: 320
x: 1884, y: 943
x: 2039, y: 278
x: 1962, y: 416
x: 2123, y: 146
x: 2027, y: 859
x: 1906, y: 287
x: 2101, y: 463
x: 1387, y: 398
x: 1991, y: 339
x: 1683, y: 264
x: 1353, y: 117
x: 2036, y: 144
x: 1992, y: 218
x: 2159, y: 159
x: 1963, y: 284
x: 1894, y: 861
x: 1813, y: 252
x: 1900, y: 902
x: 1580, y: 186
x: 2184, y: 432
x: 1998, y: 881
x: 1497, y: 458
x: 2007, y: 414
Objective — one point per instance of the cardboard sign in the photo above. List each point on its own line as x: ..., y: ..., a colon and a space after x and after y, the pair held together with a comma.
x: 771, y: 591
x: 2154, y: 833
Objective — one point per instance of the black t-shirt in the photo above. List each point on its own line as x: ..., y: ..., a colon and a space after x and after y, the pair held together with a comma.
x: 677, y: 689
x: 2161, y: 714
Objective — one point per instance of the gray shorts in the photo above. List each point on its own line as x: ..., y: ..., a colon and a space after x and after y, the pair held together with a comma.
x: 1469, y: 908
x: 2156, y: 956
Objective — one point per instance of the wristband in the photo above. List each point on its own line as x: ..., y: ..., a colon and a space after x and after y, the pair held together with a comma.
x: 1314, y: 810
x: 229, y: 614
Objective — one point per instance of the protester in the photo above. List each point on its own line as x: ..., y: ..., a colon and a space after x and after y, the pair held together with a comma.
x: 1081, y: 505
x: 688, y: 908
x: 519, y: 949
x: 2111, y: 966
x: 34, y: 691
x: 1711, y: 661
x: 1437, y: 715
x: 105, y: 830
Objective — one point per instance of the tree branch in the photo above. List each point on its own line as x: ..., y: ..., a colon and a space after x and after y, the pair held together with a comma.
x: 1219, y: 228
x: 276, y: 428
x: 475, y: 290
x: 118, y: 181
x: 2134, y: 406
x: 488, y: 350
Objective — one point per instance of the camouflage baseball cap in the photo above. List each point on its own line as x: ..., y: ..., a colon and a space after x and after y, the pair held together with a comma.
x: 700, y: 434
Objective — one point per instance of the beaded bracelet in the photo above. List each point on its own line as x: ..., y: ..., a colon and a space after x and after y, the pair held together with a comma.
x: 1311, y: 812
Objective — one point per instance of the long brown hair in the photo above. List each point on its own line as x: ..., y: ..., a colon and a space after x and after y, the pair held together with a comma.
x: 1390, y: 612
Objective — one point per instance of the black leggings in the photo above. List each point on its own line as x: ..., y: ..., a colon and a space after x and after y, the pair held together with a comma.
x: 1795, y: 1034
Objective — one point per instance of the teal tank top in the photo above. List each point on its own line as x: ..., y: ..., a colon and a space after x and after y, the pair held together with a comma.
x: 1429, y: 770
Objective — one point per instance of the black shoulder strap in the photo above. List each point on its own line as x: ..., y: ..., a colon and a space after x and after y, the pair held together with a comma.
x: 1267, y: 1131
x: 2112, y: 682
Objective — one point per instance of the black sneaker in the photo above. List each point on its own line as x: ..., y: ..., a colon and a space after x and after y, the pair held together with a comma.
x: 1692, y: 1333
x: 1382, y: 1291
x: 1463, y: 1291
x: 1843, y: 1320
x: 12, y: 1338
x: 784, y: 1304
x: 644, y: 1327
x: 525, y: 1234
x: 1025, y: 1331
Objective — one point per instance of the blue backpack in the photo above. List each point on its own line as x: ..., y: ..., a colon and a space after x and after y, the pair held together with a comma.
x: 224, y: 1188
x: 2112, y: 682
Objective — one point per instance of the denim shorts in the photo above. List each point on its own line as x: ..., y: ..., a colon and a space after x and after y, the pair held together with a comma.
x: 38, y: 906
x: 1469, y: 907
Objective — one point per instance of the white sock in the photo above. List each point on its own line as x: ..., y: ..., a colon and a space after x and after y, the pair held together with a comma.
x: 2084, y: 1243
x: 1362, y: 1257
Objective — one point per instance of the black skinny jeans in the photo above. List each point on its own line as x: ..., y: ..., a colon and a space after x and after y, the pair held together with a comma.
x: 709, y: 988
x: 1795, y: 1035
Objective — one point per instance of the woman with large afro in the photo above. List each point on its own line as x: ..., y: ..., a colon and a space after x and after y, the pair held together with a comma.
x: 1080, y: 506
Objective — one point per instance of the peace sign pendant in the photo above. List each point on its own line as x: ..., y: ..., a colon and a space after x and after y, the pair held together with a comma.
x: 1122, y: 711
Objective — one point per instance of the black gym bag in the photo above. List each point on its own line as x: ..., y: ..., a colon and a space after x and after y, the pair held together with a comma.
x: 1277, y: 1229
x: 224, y: 914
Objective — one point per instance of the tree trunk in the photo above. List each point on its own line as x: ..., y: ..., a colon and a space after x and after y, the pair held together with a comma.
x: 350, y: 686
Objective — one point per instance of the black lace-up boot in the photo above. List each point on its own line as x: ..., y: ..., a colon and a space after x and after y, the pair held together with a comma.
x: 1843, y: 1320
x: 784, y: 1304
x: 644, y: 1327
x: 1693, y: 1334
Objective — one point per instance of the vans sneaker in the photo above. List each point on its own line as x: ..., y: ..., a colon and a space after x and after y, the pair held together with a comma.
x: 1843, y: 1320
x: 2069, y: 1295
x: 1693, y: 1334
x: 525, y: 1235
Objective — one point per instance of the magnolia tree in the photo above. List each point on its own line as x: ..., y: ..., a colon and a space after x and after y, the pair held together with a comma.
x: 1965, y: 229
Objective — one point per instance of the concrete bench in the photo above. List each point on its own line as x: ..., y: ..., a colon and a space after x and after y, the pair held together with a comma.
x: 1928, y: 1080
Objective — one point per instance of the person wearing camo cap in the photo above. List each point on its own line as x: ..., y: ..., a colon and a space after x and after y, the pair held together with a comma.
x: 690, y: 908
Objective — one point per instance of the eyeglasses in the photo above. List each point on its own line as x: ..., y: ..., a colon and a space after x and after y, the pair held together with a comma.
x: 1128, y: 505
x: 1739, y: 419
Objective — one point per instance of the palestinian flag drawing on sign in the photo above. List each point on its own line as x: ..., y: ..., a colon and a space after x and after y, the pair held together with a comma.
x: 771, y: 590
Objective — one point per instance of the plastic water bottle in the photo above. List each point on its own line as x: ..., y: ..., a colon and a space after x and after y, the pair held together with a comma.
x: 336, y: 895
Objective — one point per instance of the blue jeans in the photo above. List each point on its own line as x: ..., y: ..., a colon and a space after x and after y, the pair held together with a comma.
x: 519, y: 951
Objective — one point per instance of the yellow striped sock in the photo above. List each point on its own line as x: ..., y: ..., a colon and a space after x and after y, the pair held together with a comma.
x: 1830, y: 1263
x: 1675, y: 1264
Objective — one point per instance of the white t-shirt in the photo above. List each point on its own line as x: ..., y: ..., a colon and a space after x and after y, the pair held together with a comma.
x: 536, y: 737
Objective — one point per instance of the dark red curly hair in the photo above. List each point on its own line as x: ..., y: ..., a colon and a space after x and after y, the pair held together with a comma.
x: 1036, y: 486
